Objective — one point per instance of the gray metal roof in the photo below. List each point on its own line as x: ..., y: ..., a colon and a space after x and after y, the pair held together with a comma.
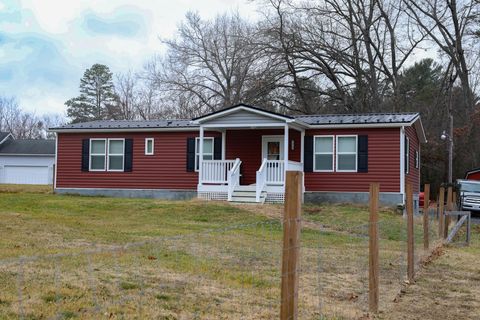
x: 3, y: 135
x: 313, y: 120
x: 349, y: 119
x: 128, y: 124
x: 28, y: 147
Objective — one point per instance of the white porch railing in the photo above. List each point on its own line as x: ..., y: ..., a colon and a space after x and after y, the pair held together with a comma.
x: 275, y: 171
x: 233, y: 178
x: 216, y: 171
x: 261, y: 181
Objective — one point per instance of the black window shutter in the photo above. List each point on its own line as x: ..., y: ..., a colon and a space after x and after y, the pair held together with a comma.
x: 190, y: 154
x: 85, y: 154
x: 308, y: 154
x: 128, y: 155
x: 217, y: 148
x: 362, y: 165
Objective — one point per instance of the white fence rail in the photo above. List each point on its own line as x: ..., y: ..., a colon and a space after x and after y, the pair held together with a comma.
x: 216, y: 171
x: 261, y: 180
x: 233, y: 178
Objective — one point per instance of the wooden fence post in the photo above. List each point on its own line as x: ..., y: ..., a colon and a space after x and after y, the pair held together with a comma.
x: 426, y: 205
x: 449, y: 208
x: 373, y: 293
x: 454, y: 201
x: 291, y: 245
x: 410, y: 239
x: 441, y: 209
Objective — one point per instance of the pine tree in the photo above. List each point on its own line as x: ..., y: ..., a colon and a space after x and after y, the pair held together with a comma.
x: 97, y: 96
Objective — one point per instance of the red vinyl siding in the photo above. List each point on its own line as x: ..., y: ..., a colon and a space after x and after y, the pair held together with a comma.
x: 247, y: 145
x: 166, y: 169
x: 383, y: 163
x: 413, y: 175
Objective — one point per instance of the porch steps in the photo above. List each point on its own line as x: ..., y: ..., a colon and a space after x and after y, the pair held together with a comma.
x: 246, y: 194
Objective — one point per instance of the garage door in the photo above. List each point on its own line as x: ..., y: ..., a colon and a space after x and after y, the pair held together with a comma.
x: 26, y: 174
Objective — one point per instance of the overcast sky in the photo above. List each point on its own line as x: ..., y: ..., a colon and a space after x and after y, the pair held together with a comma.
x: 46, y: 45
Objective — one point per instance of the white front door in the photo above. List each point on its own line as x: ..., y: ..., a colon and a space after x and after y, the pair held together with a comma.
x: 272, y: 147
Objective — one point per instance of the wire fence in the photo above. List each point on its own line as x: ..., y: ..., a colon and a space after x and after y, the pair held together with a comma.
x: 227, y: 273
x: 343, y: 264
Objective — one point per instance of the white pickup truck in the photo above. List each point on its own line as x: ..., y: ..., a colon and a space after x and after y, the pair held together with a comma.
x: 469, y: 191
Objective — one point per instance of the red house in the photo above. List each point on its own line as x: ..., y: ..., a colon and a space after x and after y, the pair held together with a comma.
x: 245, y: 153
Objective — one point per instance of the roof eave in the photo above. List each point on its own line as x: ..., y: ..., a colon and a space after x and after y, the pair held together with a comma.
x: 28, y: 154
x: 359, y: 125
x: 417, y: 123
x: 100, y: 130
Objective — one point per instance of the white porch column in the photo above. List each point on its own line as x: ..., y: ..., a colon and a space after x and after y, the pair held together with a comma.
x: 286, y: 147
x: 302, y: 142
x: 224, y: 143
x: 402, y: 163
x: 200, y: 157
x: 302, y: 139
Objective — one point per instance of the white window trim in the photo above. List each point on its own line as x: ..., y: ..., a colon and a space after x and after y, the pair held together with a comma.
x: 407, y: 155
x: 315, y: 152
x: 197, y: 153
x: 337, y: 153
x: 147, y: 140
x: 116, y: 154
x: 104, y: 154
x: 417, y: 159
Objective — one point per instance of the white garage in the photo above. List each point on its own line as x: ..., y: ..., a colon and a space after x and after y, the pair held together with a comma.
x: 27, y: 161
x: 26, y: 174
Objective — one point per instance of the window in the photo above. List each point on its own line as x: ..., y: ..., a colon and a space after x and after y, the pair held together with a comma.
x: 417, y: 159
x: 407, y: 155
x: 207, y: 150
x: 346, y: 153
x: 323, y: 153
x: 107, y: 154
x: 273, y: 150
x: 97, y: 154
x: 149, y: 146
x: 116, y: 153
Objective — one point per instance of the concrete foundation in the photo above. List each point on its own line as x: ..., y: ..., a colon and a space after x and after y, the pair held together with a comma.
x: 132, y: 193
x: 386, y: 199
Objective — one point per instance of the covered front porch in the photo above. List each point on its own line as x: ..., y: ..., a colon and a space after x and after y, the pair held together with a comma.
x: 257, y: 148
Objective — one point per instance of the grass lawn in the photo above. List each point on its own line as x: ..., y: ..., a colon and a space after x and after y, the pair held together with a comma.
x: 185, y: 259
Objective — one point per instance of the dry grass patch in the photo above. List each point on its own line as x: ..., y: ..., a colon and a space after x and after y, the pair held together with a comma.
x: 447, y: 288
x: 192, y: 259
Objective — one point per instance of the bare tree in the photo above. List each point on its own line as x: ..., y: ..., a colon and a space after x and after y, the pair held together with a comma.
x: 352, y: 50
x: 25, y: 125
x: 447, y: 25
x: 126, y: 94
x: 213, y: 64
